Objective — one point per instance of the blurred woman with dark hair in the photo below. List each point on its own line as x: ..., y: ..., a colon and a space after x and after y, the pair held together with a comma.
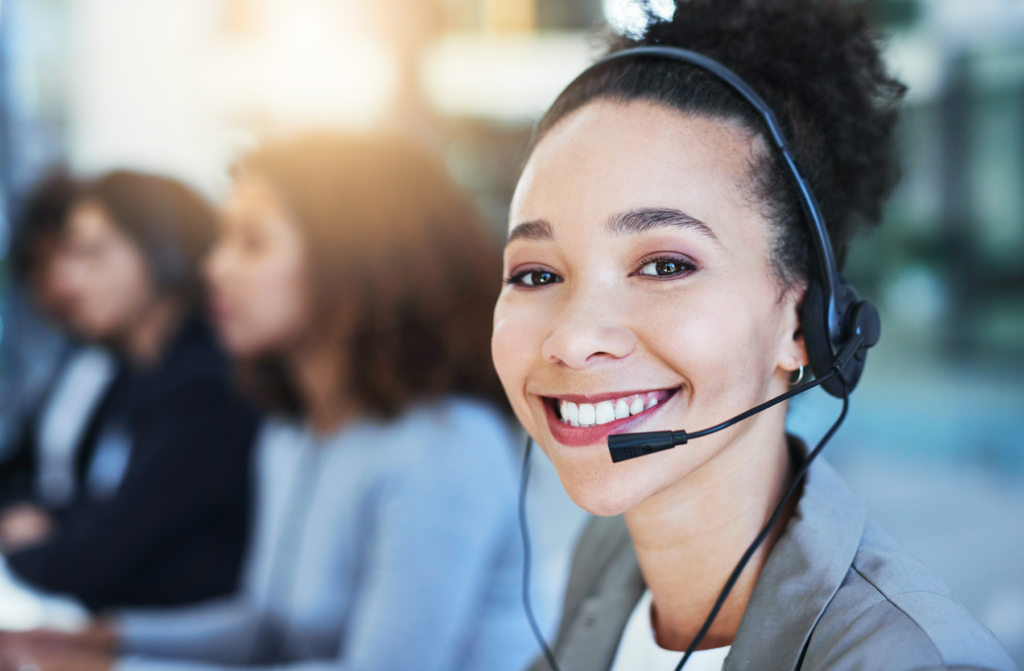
x: 356, y: 283
x: 161, y: 517
x: 57, y: 381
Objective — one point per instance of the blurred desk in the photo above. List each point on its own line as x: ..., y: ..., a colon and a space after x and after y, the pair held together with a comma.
x: 22, y: 607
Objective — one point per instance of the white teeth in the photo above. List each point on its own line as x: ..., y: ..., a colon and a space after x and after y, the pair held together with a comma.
x: 588, y: 415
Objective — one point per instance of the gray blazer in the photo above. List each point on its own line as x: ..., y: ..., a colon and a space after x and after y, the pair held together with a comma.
x: 836, y: 594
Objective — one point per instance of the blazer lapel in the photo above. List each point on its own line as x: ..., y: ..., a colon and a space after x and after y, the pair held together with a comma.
x: 589, y: 641
x: 802, y: 574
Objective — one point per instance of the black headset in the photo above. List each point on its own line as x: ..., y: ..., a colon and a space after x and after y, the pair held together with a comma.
x: 838, y: 330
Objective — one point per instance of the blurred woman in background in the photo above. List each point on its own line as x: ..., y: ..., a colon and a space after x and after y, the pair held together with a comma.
x: 60, y: 387
x: 161, y: 516
x: 356, y: 283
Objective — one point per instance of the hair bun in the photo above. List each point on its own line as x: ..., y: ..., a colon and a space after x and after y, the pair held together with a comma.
x: 819, y: 66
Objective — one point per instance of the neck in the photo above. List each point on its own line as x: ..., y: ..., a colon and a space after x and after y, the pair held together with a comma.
x: 318, y: 372
x: 689, y: 537
x: 145, y: 342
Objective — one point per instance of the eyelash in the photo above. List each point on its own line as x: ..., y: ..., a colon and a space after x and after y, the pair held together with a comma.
x: 517, y: 278
x: 686, y: 265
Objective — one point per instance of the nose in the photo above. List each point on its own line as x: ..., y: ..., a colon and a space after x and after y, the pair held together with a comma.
x: 588, y: 333
x: 214, y: 265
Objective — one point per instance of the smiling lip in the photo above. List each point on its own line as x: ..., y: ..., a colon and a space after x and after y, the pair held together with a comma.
x: 572, y: 436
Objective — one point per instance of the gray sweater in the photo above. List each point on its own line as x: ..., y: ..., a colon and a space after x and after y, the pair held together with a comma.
x: 389, y: 545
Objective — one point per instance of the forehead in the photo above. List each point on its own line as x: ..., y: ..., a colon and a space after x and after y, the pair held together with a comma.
x: 88, y: 218
x: 611, y: 156
x: 251, y: 190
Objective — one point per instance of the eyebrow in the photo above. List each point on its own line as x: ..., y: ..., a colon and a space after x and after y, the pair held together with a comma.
x: 645, y: 219
x: 633, y: 222
x: 531, y: 230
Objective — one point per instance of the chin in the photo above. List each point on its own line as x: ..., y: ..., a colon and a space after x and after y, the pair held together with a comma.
x: 88, y: 331
x: 238, y: 346
x: 604, y: 488
x: 235, y: 338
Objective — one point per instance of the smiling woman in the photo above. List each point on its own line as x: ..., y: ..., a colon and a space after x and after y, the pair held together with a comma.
x: 656, y: 269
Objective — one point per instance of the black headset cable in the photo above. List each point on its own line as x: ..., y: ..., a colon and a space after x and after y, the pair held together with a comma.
x: 724, y: 594
x: 524, y: 530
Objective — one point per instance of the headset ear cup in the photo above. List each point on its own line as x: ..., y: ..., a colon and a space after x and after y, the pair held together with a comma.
x: 863, y: 319
x: 815, y: 330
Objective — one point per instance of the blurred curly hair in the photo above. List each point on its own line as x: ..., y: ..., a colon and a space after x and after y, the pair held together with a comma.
x: 817, y: 64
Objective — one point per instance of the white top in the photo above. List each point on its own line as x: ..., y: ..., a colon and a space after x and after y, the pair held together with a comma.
x: 639, y: 650
x: 64, y: 418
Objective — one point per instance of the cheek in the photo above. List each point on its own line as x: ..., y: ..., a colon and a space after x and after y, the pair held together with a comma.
x: 717, y: 340
x: 109, y: 295
x: 48, y: 289
x: 267, y: 308
x: 515, y: 347
x: 704, y: 343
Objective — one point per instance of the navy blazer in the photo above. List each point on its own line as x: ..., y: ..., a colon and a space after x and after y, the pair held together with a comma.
x: 174, y: 530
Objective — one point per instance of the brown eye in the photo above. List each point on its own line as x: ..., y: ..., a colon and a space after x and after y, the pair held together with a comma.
x: 661, y: 268
x: 664, y: 267
x: 534, y: 278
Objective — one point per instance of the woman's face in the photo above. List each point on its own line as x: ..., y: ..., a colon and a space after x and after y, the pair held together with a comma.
x: 101, y: 276
x: 44, y: 279
x: 259, y: 285
x: 641, y: 297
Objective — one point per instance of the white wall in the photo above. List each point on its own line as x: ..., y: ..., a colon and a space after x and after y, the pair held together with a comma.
x: 135, y: 99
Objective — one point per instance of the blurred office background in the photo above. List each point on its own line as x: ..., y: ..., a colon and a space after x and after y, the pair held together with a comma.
x: 935, y: 440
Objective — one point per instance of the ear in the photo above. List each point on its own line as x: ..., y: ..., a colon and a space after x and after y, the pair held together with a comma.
x: 793, y: 350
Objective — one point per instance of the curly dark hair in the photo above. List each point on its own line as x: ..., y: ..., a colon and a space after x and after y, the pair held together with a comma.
x: 405, y: 270
x: 817, y: 64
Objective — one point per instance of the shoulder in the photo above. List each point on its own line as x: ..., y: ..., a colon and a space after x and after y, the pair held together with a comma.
x: 195, y: 382
x: 836, y: 594
x: 891, y: 613
x: 603, y: 561
x: 460, y: 418
x: 604, y: 539
x: 278, y: 438
x: 195, y: 364
x: 450, y: 433
x: 452, y: 450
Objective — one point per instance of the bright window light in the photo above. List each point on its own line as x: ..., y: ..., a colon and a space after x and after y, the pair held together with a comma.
x: 629, y: 16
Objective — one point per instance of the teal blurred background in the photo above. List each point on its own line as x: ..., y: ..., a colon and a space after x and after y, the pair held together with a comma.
x: 935, y: 439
